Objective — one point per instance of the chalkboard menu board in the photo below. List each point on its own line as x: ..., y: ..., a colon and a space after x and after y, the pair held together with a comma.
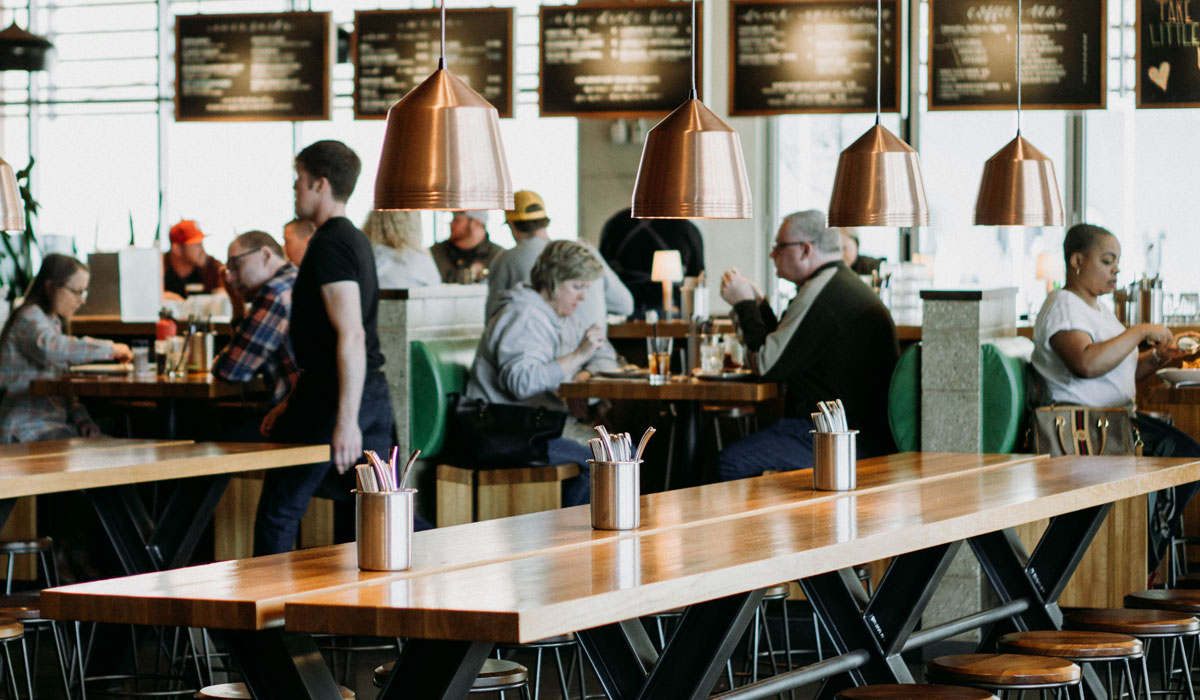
x: 252, y: 67
x: 973, y: 51
x: 1168, y: 49
x: 395, y: 50
x: 811, y: 56
x: 616, y: 60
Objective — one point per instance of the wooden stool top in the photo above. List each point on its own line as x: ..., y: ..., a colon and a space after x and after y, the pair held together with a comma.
x: 23, y: 607
x: 1188, y: 581
x: 913, y: 691
x: 1185, y: 601
x: 777, y: 592
x: 494, y: 674
x: 41, y: 544
x: 1071, y: 644
x: 10, y: 629
x: 239, y: 691
x: 1139, y: 623
x: 1004, y: 669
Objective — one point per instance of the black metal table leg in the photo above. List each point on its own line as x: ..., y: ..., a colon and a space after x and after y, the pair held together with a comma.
x: 622, y: 655
x: 279, y: 665
x: 434, y: 669
x: 882, y: 625
x: 701, y: 644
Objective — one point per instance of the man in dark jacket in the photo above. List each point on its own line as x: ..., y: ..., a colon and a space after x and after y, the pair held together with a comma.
x: 835, y: 340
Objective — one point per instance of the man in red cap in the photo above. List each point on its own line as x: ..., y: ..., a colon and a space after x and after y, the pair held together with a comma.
x: 187, y: 269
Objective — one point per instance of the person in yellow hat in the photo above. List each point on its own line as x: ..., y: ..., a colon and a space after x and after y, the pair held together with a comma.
x: 530, y: 229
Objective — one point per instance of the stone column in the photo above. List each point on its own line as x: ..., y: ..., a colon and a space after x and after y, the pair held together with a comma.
x: 956, y: 324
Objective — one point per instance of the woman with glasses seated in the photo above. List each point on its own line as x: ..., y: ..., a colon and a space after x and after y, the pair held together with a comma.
x: 33, y: 346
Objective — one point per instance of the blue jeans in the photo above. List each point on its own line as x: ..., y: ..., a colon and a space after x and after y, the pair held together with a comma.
x: 578, y: 489
x: 784, y: 446
x: 310, y: 420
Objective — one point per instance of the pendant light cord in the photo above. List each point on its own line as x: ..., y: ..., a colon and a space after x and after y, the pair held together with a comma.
x: 693, y: 93
x: 878, y: 56
x: 442, y: 47
x: 1018, y: 67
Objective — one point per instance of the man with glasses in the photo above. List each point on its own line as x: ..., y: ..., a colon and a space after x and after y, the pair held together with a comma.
x: 835, y: 340
x: 258, y: 270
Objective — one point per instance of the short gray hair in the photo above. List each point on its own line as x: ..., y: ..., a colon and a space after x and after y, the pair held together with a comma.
x: 562, y: 261
x: 810, y: 226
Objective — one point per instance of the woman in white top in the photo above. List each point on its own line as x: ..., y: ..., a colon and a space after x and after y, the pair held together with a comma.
x: 1087, y: 357
x: 401, y: 261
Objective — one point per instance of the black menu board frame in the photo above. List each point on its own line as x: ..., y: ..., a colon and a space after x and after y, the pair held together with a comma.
x: 316, y: 64
x: 1167, y: 22
x: 562, y: 79
x: 497, y: 21
x: 740, y: 104
x: 1030, y: 98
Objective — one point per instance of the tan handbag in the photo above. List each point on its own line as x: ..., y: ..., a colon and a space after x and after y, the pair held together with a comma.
x: 1084, y: 430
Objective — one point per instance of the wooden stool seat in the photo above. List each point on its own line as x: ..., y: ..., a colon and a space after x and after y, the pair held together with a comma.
x: 1071, y: 644
x: 1132, y: 621
x: 40, y: 544
x: 1004, y: 670
x: 469, y: 495
x: 735, y: 411
x: 10, y: 629
x: 495, y: 674
x: 1188, y: 581
x: 777, y: 592
x: 1178, y: 600
x: 239, y: 691
x: 913, y: 691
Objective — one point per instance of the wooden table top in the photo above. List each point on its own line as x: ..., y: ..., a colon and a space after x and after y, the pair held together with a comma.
x: 108, y: 326
x: 1185, y: 395
x: 78, y: 445
x: 52, y: 473
x: 667, y: 329
x: 525, y: 599
x: 130, y: 386
x: 678, y: 389
x: 250, y: 593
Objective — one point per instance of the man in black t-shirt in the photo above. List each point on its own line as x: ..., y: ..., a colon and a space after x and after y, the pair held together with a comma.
x: 341, y: 397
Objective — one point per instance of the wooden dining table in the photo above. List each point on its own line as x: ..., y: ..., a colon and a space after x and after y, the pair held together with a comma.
x: 108, y: 470
x: 711, y: 547
x: 687, y: 395
x: 165, y: 390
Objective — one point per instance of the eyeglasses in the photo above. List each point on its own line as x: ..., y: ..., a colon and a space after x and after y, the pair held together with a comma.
x: 780, y: 246
x: 235, y: 263
x: 81, y: 293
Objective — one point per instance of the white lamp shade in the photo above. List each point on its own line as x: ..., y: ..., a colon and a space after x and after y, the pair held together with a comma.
x: 668, y: 266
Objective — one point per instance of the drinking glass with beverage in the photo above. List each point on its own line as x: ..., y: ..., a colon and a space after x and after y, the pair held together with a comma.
x: 658, y: 353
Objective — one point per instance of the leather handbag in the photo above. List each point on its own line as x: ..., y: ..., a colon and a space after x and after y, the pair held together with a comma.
x: 1084, y: 430
x: 487, y: 435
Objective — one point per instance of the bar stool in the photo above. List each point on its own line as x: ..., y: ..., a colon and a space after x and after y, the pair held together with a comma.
x: 1173, y: 628
x: 555, y: 645
x: 496, y: 676
x: 1174, y: 600
x: 913, y: 691
x: 42, y: 547
x: 774, y: 593
x: 26, y: 609
x: 11, y: 632
x: 744, y: 416
x: 1005, y: 672
x: 239, y: 691
x: 1084, y: 647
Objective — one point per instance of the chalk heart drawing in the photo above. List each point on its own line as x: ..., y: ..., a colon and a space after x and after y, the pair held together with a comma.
x: 1159, y: 73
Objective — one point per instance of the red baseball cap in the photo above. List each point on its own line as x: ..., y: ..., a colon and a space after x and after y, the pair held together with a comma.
x: 186, y: 232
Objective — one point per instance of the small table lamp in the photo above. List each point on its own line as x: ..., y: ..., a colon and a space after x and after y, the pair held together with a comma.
x: 668, y: 269
x: 1049, y: 268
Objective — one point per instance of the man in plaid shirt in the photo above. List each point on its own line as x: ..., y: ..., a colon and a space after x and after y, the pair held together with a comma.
x: 258, y: 270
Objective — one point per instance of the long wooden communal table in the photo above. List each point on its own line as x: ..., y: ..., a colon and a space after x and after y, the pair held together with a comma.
x: 718, y: 567
x: 246, y: 598
x: 107, y: 473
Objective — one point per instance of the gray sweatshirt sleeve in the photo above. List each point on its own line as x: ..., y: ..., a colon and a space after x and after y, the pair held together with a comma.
x: 525, y: 355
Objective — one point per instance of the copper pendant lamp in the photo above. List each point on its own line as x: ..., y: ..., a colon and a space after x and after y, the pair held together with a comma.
x: 878, y: 180
x: 442, y: 148
x: 692, y: 165
x: 12, y: 209
x: 1018, y: 186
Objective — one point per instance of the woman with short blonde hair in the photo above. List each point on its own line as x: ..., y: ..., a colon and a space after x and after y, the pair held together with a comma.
x: 401, y: 261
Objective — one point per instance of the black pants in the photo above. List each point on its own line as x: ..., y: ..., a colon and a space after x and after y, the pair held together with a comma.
x: 1164, y: 440
x: 310, y: 420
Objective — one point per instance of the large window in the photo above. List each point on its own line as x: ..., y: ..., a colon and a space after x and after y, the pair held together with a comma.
x: 100, y: 123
